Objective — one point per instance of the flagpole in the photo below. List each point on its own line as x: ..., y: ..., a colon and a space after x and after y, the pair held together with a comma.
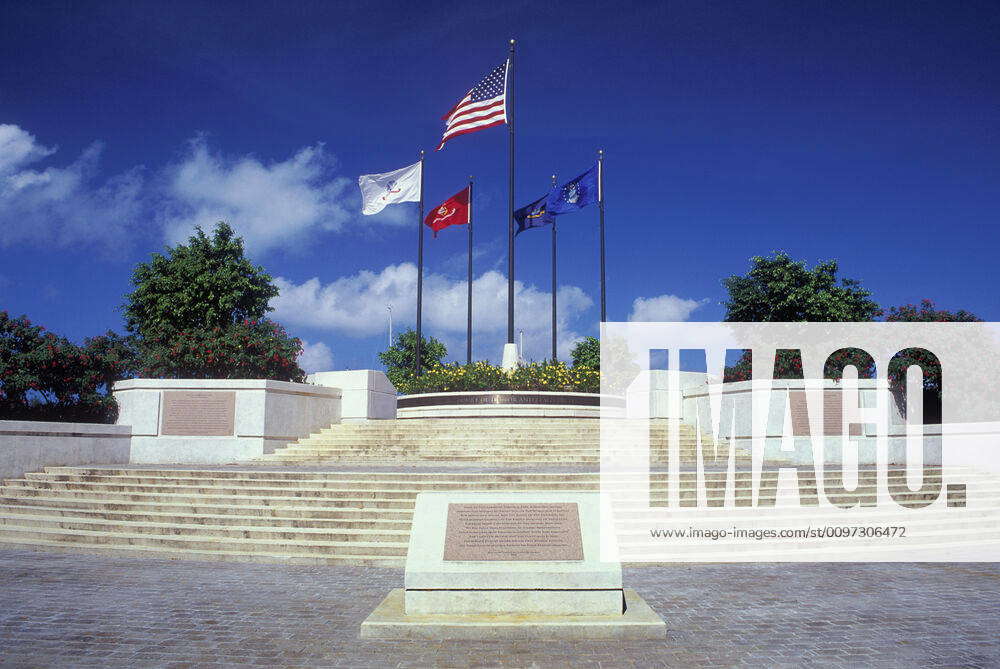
x: 554, y: 337
x: 420, y: 264
x: 468, y: 331
x: 600, y: 203
x: 510, y: 195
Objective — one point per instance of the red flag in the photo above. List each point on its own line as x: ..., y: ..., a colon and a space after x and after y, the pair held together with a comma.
x: 453, y: 211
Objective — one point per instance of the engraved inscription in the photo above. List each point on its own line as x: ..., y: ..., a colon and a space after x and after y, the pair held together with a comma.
x: 198, y: 414
x: 513, y: 532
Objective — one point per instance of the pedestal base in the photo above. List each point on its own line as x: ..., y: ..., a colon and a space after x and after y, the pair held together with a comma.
x: 510, y: 357
x: 389, y: 621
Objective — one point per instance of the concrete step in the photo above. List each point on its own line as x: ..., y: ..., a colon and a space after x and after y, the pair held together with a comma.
x: 372, y: 522
x: 28, y: 533
x: 497, y: 440
x: 359, y: 517
x: 397, y: 499
x: 308, y: 512
x: 198, y: 500
x: 258, y: 488
x: 476, y: 438
x: 468, y: 449
x: 304, y: 475
x: 344, y: 486
x: 229, y: 555
x: 374, y: 478
x: 237, y: 486
x: 298, y: 535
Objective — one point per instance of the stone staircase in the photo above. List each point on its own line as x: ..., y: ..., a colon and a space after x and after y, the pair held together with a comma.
x: 515, y: 441
x: 294, y: 515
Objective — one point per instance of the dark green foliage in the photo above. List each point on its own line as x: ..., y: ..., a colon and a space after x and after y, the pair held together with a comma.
x: 206, y: 283
x: 587, y: 353
x: 780, y: 290
x: 198, y: 312
x: 46, y: 377
x: 400, y: 358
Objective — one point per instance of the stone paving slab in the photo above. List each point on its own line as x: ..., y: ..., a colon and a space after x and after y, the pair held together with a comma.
x: 69, y: 610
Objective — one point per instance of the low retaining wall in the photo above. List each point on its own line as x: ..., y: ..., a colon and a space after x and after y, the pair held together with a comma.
x: 790, y: 398
x: 27, y: 446
x: 215, y: 421
x: 366, y: 394
x: 504, y: 403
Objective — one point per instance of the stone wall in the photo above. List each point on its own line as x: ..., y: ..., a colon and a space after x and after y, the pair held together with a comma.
x: 788, y: 409
x: 366, y: 394
x: 215, y: 421
x: 27, y: 446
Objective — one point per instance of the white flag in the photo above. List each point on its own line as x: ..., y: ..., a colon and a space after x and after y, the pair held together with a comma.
x: 379, y: 190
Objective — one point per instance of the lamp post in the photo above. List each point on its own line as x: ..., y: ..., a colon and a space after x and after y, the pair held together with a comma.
x: 388, y: 308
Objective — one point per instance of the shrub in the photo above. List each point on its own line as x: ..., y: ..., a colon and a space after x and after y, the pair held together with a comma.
x: 46, y: 377
x: 400, y: 358
x: 587, y: 353
x: 545, y: 376
x: 247, y: 350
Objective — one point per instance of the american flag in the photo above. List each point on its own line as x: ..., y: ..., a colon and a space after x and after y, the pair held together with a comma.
x: 482, y: 107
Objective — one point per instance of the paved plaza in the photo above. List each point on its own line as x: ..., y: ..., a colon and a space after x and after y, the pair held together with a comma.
x: 73, y: 609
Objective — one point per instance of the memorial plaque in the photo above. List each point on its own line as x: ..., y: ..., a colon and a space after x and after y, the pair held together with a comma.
x: 513, y: 532
x: 198, y: 414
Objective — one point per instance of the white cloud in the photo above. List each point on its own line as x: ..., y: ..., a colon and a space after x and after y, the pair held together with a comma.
x: 19, y: 148
x: 356, y: 306
x: 315, y: 357
x: 663, y: 308
x: 269, y: 204
x: 63, y: 205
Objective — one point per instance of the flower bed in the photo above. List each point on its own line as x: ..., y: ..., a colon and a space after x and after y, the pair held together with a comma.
x: 540, y: 376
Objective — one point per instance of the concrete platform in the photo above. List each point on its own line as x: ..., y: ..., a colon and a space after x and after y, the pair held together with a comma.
x: 388, y: 621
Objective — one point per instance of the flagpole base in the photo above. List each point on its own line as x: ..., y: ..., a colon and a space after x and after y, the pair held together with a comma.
x: 509, y: 357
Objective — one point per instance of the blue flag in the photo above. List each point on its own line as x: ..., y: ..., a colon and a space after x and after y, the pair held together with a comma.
x: 535, y: 215
x: 574, y: 194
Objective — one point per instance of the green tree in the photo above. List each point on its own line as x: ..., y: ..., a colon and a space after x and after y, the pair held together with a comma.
x: 198, y: 310
x: 781, y: 290
x: 587, y: 353
x: 206, y: 283
x: 400, y: 358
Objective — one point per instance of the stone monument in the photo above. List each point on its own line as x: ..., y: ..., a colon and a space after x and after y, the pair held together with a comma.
x: 510, y: 565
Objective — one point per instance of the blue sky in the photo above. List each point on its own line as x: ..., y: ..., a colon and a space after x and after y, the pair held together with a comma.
x: 864, y: 132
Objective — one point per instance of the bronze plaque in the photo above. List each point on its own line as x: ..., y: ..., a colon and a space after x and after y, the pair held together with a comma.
x: 833, y: 407
x: 192, y: 413
x: 518, y: 532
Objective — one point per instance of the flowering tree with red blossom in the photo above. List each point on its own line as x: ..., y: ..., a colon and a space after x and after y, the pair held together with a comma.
x: 198, y: 311
x: 927, y: 312
x: 46, y: 377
